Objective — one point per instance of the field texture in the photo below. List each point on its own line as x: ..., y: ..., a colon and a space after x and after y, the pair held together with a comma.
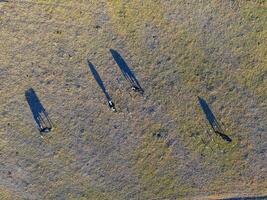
x: 156, y: 146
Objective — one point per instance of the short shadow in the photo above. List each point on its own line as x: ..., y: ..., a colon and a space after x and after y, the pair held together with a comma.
x: 247, y: 198
x: 212, y: 120
x: 40, y: 115
x: 101, y: 84
x: 126, y: 71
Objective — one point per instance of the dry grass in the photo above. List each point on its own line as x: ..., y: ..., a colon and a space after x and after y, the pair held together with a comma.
x: 179, y: 50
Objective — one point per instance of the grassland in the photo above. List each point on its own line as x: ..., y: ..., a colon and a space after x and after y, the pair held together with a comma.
x: 159, y: 146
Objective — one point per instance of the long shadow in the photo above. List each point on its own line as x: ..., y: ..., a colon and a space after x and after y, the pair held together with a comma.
x: 101, y: 84
x: 212, y: 120
x: 247, y: 198
x: 126, y: 71
x: 2, y: 1
x: 40, y: 115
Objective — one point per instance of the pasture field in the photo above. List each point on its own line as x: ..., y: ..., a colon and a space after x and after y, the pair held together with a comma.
x: 156, y: 146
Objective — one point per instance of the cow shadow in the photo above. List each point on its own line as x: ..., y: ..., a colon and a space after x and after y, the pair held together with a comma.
x: 215, y: 125
x: 101, y: 84
x: 126, y: 71
x: 39, y: 114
